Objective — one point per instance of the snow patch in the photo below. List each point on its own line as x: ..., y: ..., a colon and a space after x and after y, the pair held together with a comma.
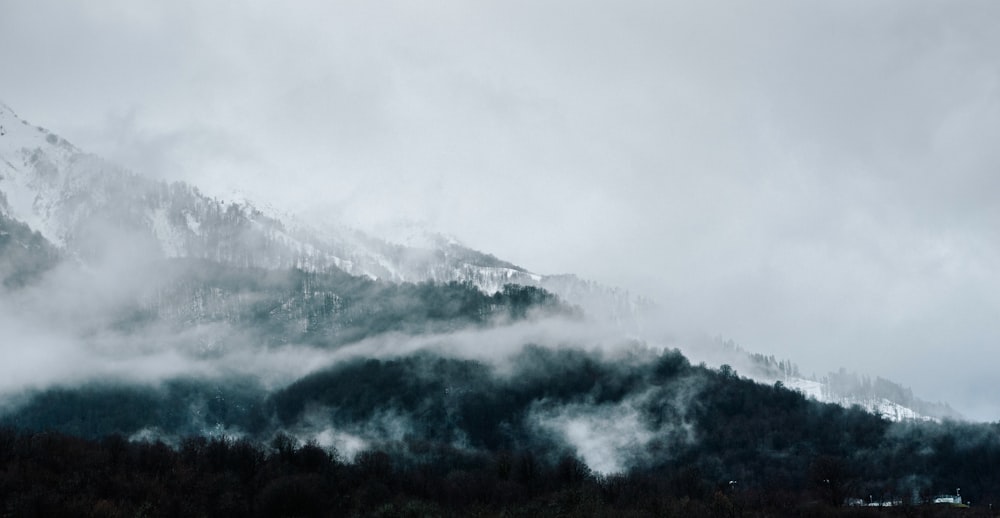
x: 171, y: 241
x: 192, y: 223
x: 874, y: 405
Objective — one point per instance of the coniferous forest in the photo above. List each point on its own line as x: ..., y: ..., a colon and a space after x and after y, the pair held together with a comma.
x: 492, y: 428
x: 461, y: 437
x: 250, y: 271
x: 293, y: 392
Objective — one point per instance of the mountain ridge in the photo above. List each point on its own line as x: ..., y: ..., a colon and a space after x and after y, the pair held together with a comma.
x: 71, y: 197
x: 74, y: 200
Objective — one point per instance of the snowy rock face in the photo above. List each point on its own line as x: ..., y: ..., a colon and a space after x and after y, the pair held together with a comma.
x: 31, y: 162
x: 877, y: 396
x: 880, y: 406
x: 85, y: 206
x: 897, y: 409
x: 79, y: 202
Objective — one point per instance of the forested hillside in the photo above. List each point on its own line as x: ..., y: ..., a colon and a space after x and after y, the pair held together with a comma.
x: 328, y: 308
x: 547, y: 432
x: 24, y: 254
x: 167, y: 353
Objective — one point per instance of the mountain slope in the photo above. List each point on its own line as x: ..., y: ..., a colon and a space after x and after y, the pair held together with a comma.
x: 56, y: 200
x: 24, y: 254
x: 700, y: 433
x: 880, y: 396
x: 83, y: 204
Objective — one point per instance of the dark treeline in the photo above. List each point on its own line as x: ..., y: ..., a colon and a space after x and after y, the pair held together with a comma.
x: 481, y: 438
x: 51, y: 474
x: 24, y: 254
x: 179, y: 408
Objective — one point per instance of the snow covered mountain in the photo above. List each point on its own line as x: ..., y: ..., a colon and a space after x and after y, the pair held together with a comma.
x: 78, y: 202
x: 59, y: 201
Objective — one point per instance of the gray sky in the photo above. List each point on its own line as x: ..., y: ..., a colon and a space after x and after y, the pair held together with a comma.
x: 815, y: 180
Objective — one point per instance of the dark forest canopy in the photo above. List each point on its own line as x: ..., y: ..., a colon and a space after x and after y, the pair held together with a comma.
x: 24, y: 254
x: 467, y: 435
x: 541, y: 431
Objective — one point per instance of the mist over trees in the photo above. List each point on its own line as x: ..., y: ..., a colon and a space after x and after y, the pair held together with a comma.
x: 24, y: 254
x: 176, y: 355
x: 565, y: 425
x: 328, y: 308
x: 438, y: 435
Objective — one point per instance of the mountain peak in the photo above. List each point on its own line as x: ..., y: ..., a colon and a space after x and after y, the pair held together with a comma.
x: 20, y: 134
x: 70, y: 197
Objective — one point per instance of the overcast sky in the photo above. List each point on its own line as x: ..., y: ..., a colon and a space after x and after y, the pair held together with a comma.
x: 814, y: 180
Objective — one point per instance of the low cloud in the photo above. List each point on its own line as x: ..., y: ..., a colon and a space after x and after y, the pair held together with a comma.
x: 608, y: 438
x: 613, y: 437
